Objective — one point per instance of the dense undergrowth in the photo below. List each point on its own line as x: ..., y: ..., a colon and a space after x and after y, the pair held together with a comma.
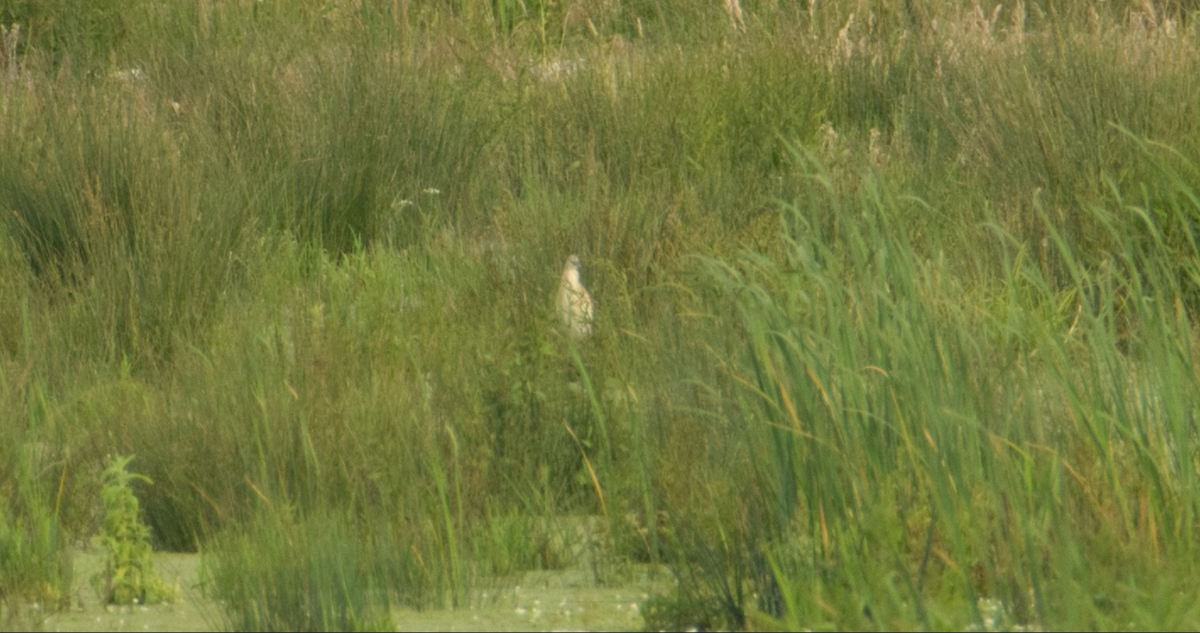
x: 896, y: 302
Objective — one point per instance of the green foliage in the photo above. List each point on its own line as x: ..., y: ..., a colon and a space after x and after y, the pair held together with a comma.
x: 896, y: 303
x: 314, y: 575
x: 128, y: 576
x: 895, y: 474
x: 34, y: 559
x: 85, y: 32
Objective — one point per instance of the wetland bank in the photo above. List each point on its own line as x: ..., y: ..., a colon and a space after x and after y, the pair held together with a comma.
x: 893, y: 312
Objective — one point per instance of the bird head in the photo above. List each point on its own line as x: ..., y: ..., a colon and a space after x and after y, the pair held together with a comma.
x: 572, y: 267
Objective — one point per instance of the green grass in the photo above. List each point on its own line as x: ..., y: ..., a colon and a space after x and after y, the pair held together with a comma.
x: 35, y: 566
x: 895, y: 302
x: 314, y: 575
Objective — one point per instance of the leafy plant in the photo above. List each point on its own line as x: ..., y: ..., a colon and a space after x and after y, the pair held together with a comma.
x: 128, y: 576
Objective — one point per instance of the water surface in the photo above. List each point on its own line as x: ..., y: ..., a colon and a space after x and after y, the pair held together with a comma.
x: 535, y: 601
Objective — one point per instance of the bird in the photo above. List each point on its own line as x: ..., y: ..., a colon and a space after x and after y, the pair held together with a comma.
x: 575, y: 306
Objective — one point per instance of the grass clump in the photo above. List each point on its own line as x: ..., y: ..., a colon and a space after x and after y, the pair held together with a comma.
x: 35, y: 564
x: 906, y: 461
x: 128, y: 576
x: 317, y: 574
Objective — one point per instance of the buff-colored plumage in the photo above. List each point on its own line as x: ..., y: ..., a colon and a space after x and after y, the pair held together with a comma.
x: 575, y: 307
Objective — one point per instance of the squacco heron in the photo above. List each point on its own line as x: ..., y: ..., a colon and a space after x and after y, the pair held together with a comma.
x: 575, y: 306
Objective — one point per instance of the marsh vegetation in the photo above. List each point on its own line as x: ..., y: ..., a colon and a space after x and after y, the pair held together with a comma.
x: 895, y: 303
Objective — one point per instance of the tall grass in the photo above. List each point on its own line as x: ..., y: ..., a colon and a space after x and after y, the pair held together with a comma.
x: 894, y: 301
x: 311, y: 576
x: 35, y: 572
x: 912, y: 455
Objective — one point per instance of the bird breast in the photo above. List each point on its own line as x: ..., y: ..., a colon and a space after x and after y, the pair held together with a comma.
x: 575, y: 307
